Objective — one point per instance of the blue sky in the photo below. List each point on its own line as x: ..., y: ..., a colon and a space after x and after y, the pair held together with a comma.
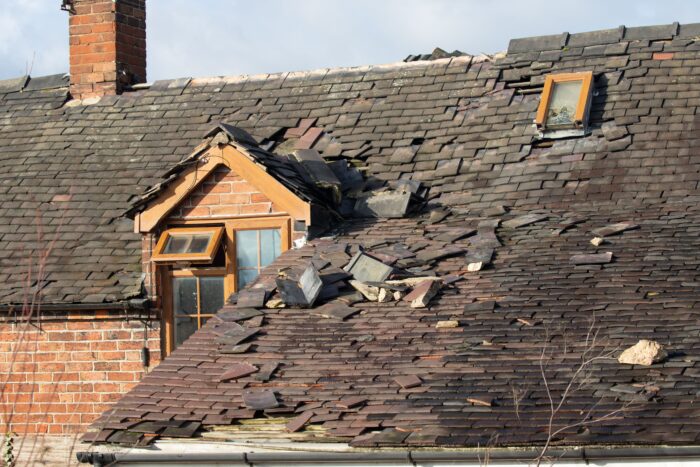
x: 232, y: 37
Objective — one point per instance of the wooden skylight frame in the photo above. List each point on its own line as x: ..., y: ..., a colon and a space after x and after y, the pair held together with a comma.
x: 580, y: 120
x: 207, y: 256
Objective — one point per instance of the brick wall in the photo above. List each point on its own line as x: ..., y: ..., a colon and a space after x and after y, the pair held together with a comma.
x: 107, y: 46
x: 225, y: 194
x: 57, y: 376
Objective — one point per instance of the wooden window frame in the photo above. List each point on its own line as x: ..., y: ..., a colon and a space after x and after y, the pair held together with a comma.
x: 205, y: 257
x: 582, y: 106
x: 169, y: 312
x: 229, y: 271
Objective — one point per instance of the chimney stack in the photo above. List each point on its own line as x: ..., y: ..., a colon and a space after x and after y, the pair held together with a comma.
x: 107, y: 45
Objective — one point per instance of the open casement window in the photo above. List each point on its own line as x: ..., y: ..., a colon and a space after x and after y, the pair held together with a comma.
x: 192, y: 293
x: 565, y: 104
x: 195, y: 245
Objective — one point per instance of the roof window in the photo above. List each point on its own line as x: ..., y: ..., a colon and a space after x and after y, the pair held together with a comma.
x: 565, y: 105
x: 197, y: 245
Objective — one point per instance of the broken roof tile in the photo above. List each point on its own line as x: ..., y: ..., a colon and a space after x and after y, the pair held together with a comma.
x: 522, y: 221
x: 298, y: 422
x: 613, y: 229
x: 366, y: 268
x: 260, y: 399
x: 596, y: 258
x: 237, y: 370
x: 408, y: 381
x: 335, y: 310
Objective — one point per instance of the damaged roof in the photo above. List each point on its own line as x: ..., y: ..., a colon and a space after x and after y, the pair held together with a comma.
x: 506, y: 235
x: 463, y: 371
x: 460, y: 125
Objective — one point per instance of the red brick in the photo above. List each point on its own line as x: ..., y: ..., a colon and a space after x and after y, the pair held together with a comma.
x: 662, y: 56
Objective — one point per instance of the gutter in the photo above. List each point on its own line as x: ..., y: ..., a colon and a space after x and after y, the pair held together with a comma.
x: 394, y: 457
x: 134, y: 304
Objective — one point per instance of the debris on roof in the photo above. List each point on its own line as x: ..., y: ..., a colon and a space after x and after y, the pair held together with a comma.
x: 408, y: 381
x: 365, y: 268
x: 299, y: 287
x: 644, y: 352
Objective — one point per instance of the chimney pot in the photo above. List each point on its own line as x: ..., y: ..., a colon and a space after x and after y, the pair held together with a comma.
x: 107, y: 46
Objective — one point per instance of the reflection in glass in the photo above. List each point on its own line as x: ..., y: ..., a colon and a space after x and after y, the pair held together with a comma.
x: 270, y: 248
x: 186, y: 243
x: 247, y: 248
x: 184, y: 328
x: 185, y: 295
x: 212, y: 293
x: 563, y: 101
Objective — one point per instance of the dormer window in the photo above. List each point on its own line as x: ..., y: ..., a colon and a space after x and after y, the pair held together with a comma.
x: 565, y: 105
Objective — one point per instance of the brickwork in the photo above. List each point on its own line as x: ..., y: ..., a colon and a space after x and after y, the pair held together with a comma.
x: 58, y: 376
x: 107, y: 46
x: 225, y: 194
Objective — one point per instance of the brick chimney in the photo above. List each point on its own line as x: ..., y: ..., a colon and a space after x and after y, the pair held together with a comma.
x: 107, y: 45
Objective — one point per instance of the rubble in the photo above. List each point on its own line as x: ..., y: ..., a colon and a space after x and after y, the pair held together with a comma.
x: 597, y: 241
x: 447, y: 324
x: 422, y: 293
x: 644, y: 352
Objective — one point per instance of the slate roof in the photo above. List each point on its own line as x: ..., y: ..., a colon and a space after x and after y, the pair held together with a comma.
x: 463, y: 127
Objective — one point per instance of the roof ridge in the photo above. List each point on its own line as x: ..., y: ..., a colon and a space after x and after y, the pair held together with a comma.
x: 602, y: 36
x: 320, y: 72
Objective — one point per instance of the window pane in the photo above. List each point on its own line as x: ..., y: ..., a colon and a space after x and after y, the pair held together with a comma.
x: 212, y: 294
x: 176, y: 244
x: 270, y: 248
x: 184, y: 328
x: 185, y: 295
x: 247, y: 248
x: 245, y: 276
x: 187, y: 243
x: 563, y: 102
x: 199, y: 243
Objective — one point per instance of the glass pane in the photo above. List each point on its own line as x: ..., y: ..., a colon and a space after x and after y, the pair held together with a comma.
x: 176, y: 244
x: 247, y: 248
x: 184, y: 328
x: 211, y: 290
x: 185, y: 295
x: 270, y: 248
x: 199, y: 243
x: 187, y: 243
x: 563, y: 102
x: 245, y: 276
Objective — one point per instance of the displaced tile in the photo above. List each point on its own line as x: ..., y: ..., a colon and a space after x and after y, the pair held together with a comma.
x: 309, y: 139
x: 298, y: 422
x: 235, y: 339
x: 408, y: 381
x: 495, y: 211
x: 266, y: 371
x: 299, y: 289
x: 186, y: 430
x: 598, y: 258
x: 335, y: 310
x: 237, y: 370
x: 438, y: 253
x: 613, y: 229
x: 438, y: 215
x: 251, y: 298
x: 454, y: 234
x: 235, y: 349
x: 260, y: 399
x: 238, y: 314
x: 365, y: 268
x: 351, y: 402
x: 301, y: 128
x: 522, y: 221
x: 567, y: 224
x: 388, y: 204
